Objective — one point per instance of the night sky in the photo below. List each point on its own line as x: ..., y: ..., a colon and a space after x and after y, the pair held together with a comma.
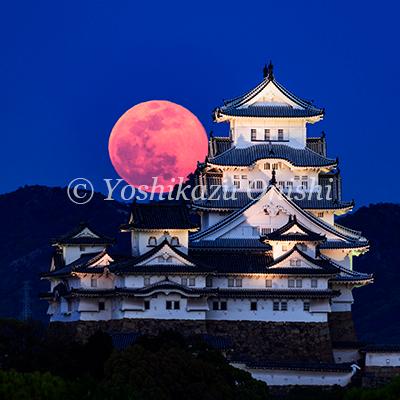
x: 69, y: 69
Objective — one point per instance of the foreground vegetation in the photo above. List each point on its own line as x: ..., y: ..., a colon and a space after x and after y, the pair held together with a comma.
x: 36, y: 365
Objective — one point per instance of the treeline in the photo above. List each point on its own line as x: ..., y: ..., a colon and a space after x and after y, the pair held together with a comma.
x: 37, y: 364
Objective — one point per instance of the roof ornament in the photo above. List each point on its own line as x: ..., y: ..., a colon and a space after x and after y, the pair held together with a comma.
x: 272, y: 181
x: 269, y: 71
x: 270, y: 148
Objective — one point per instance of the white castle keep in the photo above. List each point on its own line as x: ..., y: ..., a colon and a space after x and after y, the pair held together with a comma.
x: 266, y: 253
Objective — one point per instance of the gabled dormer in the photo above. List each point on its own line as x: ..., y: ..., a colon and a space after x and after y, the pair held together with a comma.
x: 82, y: 240
x: 297, y: 261
x: 293, y: 233
x: 268, y: 113
x: 164, y: 254
x: 153, y: 223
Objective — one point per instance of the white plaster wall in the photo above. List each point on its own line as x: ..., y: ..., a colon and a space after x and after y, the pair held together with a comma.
x: 343, y: 302
x: 278, y: 282
x: 72, y: 253
x: 345, y: 355
x: 239, y: 310
x: 294, y: 130
x: 389, y: 359
x: 305, y: 378
x: 158, y: 309
x: 140, y: 240
x: 137, y: 281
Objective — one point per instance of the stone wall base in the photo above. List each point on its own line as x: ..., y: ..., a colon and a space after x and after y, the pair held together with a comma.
x: 273, y: 341
x: 341, y: 327
x: 379, y: 376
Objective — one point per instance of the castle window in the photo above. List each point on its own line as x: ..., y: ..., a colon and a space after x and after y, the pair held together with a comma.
x: 299, y: 283
x: 209, y: 281
x: 146, y: 281
x: 172, y: 305
x: 320, y: 214
x: 253, y: 134
x: 275, y: 166
x: 220, y: 305
x: 152, y: 241
x: 275, y: 305
x: 192, y: 281
x: 306, y: 305
x: 259, y: 184
x: 284, y: 247
x: 267, y: 165
x: 292, y: 263
x: 244, y: 176
x: 291, y: 283
x: 280, y: 134
x: 231, y: 282
x: 147, y: 305
x: 184, y: 281
x: 253, y: 306
x: 102, y: 305
x: 314, y: 283
x: 268, y: 283
x: 267, y: 134
x: 284, y: 305
x: 175, y: 241
x: 238, y: 282
x: 281, y: 184
x: 289, y: 185
x: 82, y: 248
x: 265, y: 231
x: 93, y: 282
x: 236, y: 184
x: 298, y: 263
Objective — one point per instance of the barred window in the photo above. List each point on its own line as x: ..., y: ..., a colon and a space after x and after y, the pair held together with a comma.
x: 314, y: 283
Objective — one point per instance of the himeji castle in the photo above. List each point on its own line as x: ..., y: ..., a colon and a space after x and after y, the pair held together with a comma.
x: 263, y: 266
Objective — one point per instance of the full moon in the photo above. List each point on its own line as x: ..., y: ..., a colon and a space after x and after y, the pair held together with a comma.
x: 157, y: 139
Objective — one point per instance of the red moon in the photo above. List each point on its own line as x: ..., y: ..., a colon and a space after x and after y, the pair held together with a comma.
x: 160, y: 139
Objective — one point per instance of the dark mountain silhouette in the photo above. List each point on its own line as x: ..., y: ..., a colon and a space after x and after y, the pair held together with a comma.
x: 33, y: 215
x: 376, y: 309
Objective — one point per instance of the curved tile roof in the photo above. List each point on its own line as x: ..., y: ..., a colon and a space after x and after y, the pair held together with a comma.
x: 270, y: 112
x: 249, y: 155
x: 237, y: 105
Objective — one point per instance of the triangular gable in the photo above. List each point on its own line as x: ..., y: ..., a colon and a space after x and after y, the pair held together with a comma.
x: 271, y: 95
x: 164, y: 254
x: 269, y: 204
x: 292, y: 259
x: 104, y: 260
x: 86, y: 232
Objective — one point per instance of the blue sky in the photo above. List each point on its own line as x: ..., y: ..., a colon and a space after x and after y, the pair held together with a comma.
x: 69, y: 69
